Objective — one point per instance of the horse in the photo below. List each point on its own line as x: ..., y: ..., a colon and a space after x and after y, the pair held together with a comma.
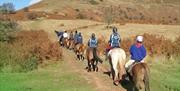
x: 60, y: 37
x: 79, y: 50
x: 139, y: 75
x: 71, y: 44
x: 92, y: 59
x: 65, y: 42
x: 117, y: 58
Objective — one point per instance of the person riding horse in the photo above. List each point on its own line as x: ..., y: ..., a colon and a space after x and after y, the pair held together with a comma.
x: 79, y: 47
x: 75, y: 37
x: 59, y: 35
x: 79, y: 39
x: 92, y: 43
x: 71, y: 41
x: 114, y: 41
x: 137, y: 70
x: 71, y: 37
x: 137, y: 51
x: 65, y: 38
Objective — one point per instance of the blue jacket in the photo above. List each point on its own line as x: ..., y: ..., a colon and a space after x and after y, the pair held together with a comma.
x: 115, y: 40
x: 75, y: 38
x: 137, y: 54
x: 92, y: 43
x: 79, y: 39
x: 60, y: 34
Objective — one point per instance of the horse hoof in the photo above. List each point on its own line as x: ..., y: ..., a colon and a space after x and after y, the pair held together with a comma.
x: 97, y: 69
x: 116, y: 83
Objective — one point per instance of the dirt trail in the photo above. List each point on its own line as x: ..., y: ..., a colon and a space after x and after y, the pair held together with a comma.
x: 99, y: 80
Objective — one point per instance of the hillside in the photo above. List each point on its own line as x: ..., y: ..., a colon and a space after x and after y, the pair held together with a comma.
x: 122, y: 11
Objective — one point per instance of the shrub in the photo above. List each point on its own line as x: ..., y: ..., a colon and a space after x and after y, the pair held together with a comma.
x: 155, y: 45
x: 93, y: 2
x: 176, y: 47
x: 80, y: 16
x: 7, y: 27
x: 29, y: 64
x: 32, y: 16
x: 27, y: 51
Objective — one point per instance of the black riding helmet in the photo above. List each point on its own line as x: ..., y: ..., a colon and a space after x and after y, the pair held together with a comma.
x: 93, y: 35
x: 114, y: 30
x: 76, y: 31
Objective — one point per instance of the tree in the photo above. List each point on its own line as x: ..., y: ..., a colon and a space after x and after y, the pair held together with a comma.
x: 7, y: 8
x: 109, y: 15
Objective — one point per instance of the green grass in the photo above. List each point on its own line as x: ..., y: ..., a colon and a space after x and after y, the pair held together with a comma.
x: 56, y: 77
x: 165, y: 75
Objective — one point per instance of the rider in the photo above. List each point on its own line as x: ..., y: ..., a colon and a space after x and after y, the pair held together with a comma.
x: 92, y: 43
x: 115, y: 39
x: 137, y: 51
x: 71, y: 37
x: 60, y: 35
x: 75, y: 37
x: 79, y: 39
x: 65, y: 34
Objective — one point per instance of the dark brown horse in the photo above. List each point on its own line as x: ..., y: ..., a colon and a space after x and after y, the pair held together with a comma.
x: 92, y: 59
x: 139, y: 75
x: 79, y: 50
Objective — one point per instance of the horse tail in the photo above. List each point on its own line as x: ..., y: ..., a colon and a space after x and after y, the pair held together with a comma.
x: 146, y: 78
x: 96, y: 56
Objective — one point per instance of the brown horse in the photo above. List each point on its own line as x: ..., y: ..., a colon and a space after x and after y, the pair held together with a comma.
x: 92, y: 59
x: 65, y: 42
x: 71, y: 44
x: 139, y: 75
x: 79, y: 50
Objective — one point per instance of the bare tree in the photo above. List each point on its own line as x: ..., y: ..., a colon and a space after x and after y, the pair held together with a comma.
x: 109, y: 15
x: 7, y: 8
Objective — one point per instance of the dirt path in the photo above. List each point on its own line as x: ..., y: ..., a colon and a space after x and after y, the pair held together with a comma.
x: 99, y: 80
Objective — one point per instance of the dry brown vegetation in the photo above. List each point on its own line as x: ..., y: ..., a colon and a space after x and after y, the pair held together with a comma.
x: 136, y: 11
x: 156, y: 45
x: 38, y: 44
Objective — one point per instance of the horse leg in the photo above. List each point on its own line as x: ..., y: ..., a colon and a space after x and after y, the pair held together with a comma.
x: 93, y: 64
x: 122, y: 71
x: 89, y: 66
x: 96, y: 65
x: 82, y: 58
x: 116, y: 80
x: 78, y: 56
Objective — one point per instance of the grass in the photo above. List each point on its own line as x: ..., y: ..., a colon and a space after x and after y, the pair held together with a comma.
x: 55, y: 77
x: 165, y: 75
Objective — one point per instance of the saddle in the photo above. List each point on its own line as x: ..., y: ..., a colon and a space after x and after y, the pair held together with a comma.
x: 130, y: 68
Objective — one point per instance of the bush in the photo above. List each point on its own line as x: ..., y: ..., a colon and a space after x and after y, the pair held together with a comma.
x: 155, y: 45
x: 32, y: 16
x: 93, y: 2
x: 80, y: 16
x: 29, y: 64
x: 28, y: 50
x: 176, y: 47
x: 7, y: 27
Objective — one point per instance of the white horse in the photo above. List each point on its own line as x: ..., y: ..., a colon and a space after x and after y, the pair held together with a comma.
x: 117, y: 58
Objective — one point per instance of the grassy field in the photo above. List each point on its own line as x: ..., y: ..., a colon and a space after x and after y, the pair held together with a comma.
x: 60, y: 77
x: 126, y: 31
x: 55, y: 77
x: 165, y: 75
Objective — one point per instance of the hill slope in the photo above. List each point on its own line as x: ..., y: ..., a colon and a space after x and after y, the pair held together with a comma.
x: 123, y: 11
